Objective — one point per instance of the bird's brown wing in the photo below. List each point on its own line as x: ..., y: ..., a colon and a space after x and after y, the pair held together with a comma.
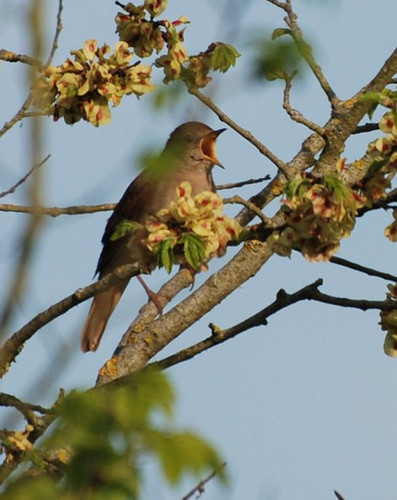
x: 130, y: 207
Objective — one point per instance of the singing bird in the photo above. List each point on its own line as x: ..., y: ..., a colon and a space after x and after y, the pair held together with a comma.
x: 189, y: 155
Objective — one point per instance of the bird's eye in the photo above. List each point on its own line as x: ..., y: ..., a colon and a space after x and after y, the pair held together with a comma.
x: 189, y: 138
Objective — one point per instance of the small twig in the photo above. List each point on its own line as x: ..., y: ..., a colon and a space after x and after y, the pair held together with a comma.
x: 58, y: 30
x: 244, y: 133
x: 296, y: 115
x: 247, y: 204
x: 200, y: 487
x: 56, y: 211
x: 21, y: 181
x: 362, y: 269
x: 9, y: 56
x: 26, y: 409
x: 305, y: 50
x: 338, y: 495
x: 18, y: 116
x: 22, y: 112
x: 233, y: 185
x: 367, y: 127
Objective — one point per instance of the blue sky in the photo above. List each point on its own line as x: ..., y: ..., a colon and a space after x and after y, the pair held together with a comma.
x: 298, y: 408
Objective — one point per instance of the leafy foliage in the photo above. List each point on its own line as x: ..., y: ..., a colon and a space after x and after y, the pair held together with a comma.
x: 102, y: 436
x: 125, y: 227
x: 276, y: 58
x: 319, y: 213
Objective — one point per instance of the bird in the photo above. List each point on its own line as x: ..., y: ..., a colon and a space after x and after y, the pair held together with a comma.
x: 189, y: 156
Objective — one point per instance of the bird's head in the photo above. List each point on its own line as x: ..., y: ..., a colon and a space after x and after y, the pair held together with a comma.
x: 194, y: 138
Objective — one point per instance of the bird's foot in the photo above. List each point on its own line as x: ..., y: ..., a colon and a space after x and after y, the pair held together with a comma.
x: 153, y: 296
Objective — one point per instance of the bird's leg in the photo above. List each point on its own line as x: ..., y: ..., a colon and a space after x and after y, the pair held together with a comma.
x: 153, y: 296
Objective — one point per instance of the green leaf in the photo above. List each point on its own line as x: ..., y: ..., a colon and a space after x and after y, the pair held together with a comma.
x: 193, y: 249
x: 336, y: 185
x: 224, y: 56
x: 184, y: 452
x: 294, y: 186
x: 165, y: 256
x: 125, y: 227
x: 276, y: 59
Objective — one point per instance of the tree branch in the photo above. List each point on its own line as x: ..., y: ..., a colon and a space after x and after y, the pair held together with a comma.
x: 145, y: 337
x: 9, y: 56
x: 14, y: 345
x: 250, y: 206
x: 296, y: 115
x: 27, y: 409
x: 305, y: 49
x: 362, y: 269
x: 283, y: 300
x: 21, y: 181
x: 58, y: 29
x: 244, y: 133
x: 56, y: 211
x: 200, y: 487
x: 233, y: 185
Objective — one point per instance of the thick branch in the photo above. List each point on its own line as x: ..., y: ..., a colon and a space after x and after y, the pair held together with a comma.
x: 348, y: 114
x: 143, y: 340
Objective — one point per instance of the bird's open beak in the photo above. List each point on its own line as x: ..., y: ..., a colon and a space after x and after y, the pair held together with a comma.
x: 208, y: 146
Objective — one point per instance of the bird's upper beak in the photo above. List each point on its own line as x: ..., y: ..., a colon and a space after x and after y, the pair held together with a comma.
x: 207, y: 145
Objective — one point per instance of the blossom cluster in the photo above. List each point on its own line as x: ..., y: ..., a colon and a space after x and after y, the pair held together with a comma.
x: 83, y: 88
x: 193, y: 229
x: 145, y: 34
x: 383, y: 152
x: 388, y: 322
x: 318, y: 214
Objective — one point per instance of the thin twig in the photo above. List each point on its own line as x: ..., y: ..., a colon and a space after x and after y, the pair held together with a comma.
x: 233, y: 185
x: 244, y: 133
x: 367, y: 127
x: 22, y: 406
x: 296, y: 115
x: 305, y: 50
x: 21, y: 113
x: 363, y: 269
x: 9, y: 56
x: 200, y: 487
x: 21, y: 181
x: 18, y: 116
x: 56, y: 211
x: 58, y: 30
x: 247, y: 204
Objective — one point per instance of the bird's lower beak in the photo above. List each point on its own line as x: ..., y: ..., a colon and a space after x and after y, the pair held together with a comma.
x: 208, y: 146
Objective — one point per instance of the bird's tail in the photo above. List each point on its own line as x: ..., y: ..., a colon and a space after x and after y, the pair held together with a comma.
x: 101, y: 308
